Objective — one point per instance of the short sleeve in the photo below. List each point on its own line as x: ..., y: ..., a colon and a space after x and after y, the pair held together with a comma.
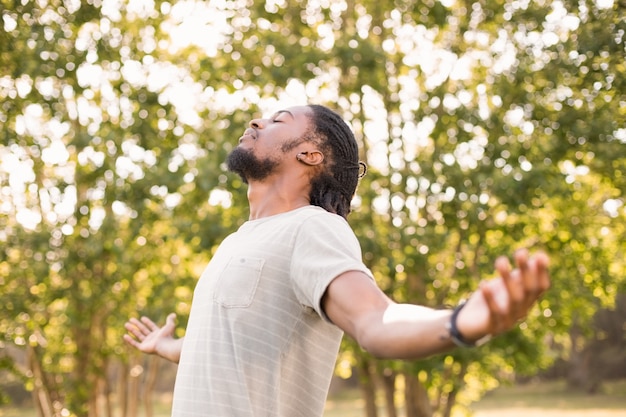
x: 324, y: 248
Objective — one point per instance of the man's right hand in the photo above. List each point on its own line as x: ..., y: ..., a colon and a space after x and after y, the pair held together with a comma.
x: 145, y: 336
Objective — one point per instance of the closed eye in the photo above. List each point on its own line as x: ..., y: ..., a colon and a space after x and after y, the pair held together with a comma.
x: 280, y: 113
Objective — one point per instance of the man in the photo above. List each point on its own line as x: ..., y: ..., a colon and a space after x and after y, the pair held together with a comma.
x: 270, y: 309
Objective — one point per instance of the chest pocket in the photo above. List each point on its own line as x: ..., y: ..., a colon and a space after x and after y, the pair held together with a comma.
x: 238, y: 282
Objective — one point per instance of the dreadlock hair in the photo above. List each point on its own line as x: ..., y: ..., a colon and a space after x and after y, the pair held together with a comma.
x: 334, y: 187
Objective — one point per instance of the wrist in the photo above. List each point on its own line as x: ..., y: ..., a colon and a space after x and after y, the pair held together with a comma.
x: 455, y: 334
x: 171, y: 349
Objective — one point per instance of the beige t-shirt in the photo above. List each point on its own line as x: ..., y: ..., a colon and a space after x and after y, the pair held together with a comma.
x: 257, y: 343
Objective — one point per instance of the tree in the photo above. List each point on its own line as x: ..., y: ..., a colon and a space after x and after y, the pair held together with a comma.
x: 89, y: 203
x: 487, y: 126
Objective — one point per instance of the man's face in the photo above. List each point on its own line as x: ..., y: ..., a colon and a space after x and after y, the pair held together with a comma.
x: 267, y: 143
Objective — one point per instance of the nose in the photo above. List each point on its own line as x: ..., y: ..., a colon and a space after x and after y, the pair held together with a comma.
x: 257, y: 123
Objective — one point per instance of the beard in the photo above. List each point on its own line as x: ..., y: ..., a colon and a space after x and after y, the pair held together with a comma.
x: 244, y: 163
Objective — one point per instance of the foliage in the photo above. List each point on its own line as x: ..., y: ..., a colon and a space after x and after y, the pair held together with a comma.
x: 487, y: 126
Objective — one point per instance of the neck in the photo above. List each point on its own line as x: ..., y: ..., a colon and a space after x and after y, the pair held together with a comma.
x: 268, y: 198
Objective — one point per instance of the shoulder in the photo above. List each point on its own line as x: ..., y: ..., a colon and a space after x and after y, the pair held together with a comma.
x: 320, y: 219
x: 318, y: 227
x: 319, y: 213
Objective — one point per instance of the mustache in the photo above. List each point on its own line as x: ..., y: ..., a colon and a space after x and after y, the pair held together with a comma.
x: 251, y: 132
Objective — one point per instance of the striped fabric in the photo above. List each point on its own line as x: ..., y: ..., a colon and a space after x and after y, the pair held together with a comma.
x: 257, y: 343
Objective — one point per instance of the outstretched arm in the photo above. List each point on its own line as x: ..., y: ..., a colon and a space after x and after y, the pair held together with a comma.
x: 145, y: 336
x: 406, y: 331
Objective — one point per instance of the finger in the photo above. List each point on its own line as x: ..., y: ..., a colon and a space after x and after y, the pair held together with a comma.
x: 149, y: 324
x: 495, y: 312
x: 139, y: 326
x: 130, y: 341
x: 512, y: 284
x: 503, y: 267
x: 542, y: 263
x: 134, y: 330
x: 521, y: 262
x: 517, y: 295
x: 170, y: 321
x: 528, y: 272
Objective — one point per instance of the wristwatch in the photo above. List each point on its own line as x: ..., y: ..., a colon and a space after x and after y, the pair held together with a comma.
x: 456, y: 335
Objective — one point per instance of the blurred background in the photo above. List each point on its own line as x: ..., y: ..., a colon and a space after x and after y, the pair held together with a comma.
x: 487, y: 125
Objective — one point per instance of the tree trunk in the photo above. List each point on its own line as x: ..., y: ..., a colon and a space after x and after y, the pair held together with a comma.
x: 366, y: 383
x: 102, y: 396
x: 388, y: 378
x: 92, y: 401
x: 81, y: 402
x: 450, y: 400
x: 447, y: 400
x: 123, y: 385
x: 416, y: 398
x: 151, y: 378
x: 40, y: 393
x: 132, y: 405
x: 578, y: 372
x: 106, y: 393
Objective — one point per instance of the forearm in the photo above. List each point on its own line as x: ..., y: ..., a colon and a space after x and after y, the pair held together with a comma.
x: 382, y: 327
x: 405, y: 331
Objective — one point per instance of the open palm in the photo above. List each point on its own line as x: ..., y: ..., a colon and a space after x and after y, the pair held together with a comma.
x: 147, y: 336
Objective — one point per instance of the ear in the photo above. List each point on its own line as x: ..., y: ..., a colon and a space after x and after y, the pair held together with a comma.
x: 311, y: 158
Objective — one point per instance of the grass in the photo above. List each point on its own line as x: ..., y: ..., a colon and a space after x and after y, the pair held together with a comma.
x: 553, y: 399
x: 545, y: 399
x: 347, y: 403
